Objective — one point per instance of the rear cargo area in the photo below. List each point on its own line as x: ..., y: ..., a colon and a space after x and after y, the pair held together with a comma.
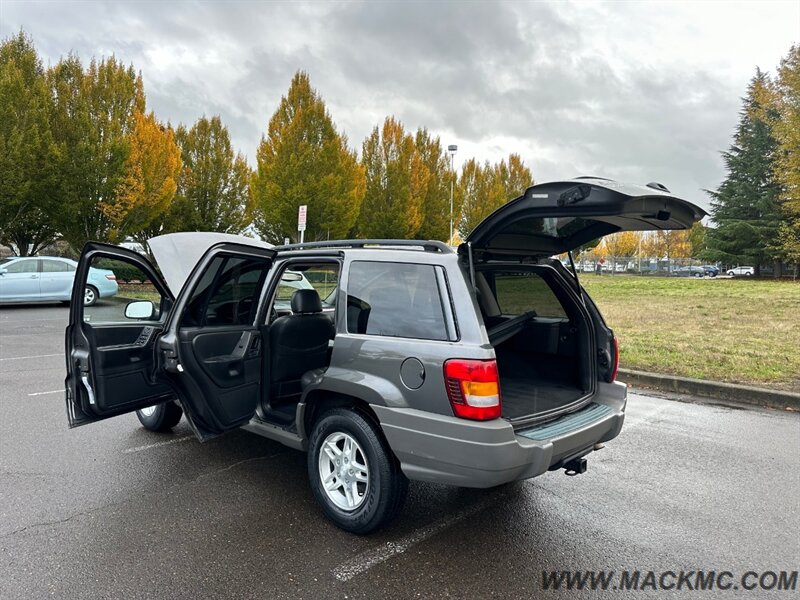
x: 535, y: 382
x: 541, y: 338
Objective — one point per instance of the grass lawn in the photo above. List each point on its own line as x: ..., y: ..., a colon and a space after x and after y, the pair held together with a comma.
x: 736, y: 330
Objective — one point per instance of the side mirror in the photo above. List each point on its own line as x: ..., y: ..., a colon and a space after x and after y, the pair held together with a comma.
x: 140, y: 309
x: 3, y: 270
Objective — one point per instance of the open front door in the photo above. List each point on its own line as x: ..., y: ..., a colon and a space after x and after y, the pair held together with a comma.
x: 119, y: 306
x: 212, y: 348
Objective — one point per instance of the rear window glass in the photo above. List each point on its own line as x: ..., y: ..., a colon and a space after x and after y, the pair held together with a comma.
x: 396, y: 300
x: 520, y: 292
x: 554, y: 227
x: 56, y: 266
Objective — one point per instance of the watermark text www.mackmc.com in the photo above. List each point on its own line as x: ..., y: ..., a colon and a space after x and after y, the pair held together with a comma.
x: 697, y: 580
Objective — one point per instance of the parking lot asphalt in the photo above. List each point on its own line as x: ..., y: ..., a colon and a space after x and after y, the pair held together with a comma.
x: 113, y: 511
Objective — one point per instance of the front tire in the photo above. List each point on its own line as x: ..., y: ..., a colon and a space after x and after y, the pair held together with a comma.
x: 90, y: 295
x: 161, y: 417
x: 731, y: 273
x: 353, y: 474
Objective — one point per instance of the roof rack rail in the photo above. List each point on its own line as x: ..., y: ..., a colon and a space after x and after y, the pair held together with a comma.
x: 426, y: 245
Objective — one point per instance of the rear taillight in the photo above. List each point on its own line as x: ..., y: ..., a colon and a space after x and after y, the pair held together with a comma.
x: 111, y: 277
x: 473, y: 388
x: 615, y: 363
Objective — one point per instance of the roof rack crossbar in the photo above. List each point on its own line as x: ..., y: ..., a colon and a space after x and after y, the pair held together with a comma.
x: 426, y: 245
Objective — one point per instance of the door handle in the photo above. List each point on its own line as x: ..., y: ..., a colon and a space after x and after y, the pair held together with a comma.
x: 88, y: 386
x: 34, y: 276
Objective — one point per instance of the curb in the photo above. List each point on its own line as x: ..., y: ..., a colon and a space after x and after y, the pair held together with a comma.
x: 730, y: 392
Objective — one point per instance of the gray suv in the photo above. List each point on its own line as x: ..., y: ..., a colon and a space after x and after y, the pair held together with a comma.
x: 384, y: 360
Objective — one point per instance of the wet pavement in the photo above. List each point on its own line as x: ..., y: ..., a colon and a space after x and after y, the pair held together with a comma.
x: 111, y: 510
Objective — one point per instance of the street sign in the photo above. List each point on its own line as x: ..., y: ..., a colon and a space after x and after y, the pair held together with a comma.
x: 301, y: 217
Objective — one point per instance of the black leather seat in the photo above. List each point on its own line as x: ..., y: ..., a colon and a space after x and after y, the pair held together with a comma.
x: 298, y: 343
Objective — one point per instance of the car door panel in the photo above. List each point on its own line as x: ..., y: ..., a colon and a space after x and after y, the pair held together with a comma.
x: 56, y: 279
x: 212, y: 367
x: 214, y: 357
x: 233, y: 378
x: 111, y: 366
x: 125, y: 369
x: 21, y: 281
x: 229, y: 358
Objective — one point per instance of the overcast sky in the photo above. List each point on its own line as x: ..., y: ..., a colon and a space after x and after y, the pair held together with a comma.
x: 638, y: 91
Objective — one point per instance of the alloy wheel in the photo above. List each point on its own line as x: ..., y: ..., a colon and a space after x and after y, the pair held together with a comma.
x: 343, y: 471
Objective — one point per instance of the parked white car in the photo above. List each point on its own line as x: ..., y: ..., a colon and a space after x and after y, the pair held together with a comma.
x: 739, y: 271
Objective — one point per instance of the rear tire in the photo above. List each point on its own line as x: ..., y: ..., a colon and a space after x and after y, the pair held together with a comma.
x: 161, y: 417
x: 366, y: 488
x: 90, y: 295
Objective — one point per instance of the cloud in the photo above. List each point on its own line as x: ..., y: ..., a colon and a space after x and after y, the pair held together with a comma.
x: 637, y: 91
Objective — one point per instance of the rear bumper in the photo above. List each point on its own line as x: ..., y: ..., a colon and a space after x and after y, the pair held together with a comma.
x: 444, y: 449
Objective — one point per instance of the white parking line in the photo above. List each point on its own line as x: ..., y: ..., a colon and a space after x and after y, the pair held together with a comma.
x: 157, y: 444
x: 369, y: 558
x: 61, y: 391
x: 30, y: 357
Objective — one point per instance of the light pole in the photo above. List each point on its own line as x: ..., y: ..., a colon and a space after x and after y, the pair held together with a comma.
x: 452, y: 149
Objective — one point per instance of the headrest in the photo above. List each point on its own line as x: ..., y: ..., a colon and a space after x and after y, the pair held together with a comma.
x: 306, y: 301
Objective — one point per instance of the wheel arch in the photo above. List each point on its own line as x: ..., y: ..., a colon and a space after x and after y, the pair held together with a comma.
x: 318, y: 401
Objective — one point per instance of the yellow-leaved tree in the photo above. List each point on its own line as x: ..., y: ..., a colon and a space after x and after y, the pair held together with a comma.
x: 623, y: 244
x: 149, y: 181
x: 396, y: 183
x: 483, y: 188
x: 786, y: 130
x: 304, y: 160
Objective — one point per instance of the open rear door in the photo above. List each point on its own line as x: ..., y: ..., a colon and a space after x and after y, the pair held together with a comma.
x: 212, y: 349
x: 560, y: 216
x: 118, y: 309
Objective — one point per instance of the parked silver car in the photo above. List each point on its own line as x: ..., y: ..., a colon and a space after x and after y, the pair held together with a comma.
x: 472, y: 368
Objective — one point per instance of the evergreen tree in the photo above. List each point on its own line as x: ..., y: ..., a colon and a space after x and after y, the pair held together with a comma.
x: 304, y: 160
x: 27, y: 152
x: 745, y: 207
x: 396, y: 184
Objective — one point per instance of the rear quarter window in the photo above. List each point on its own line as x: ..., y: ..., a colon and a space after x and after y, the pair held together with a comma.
x: 520, y: 292
x: 395, y: 300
